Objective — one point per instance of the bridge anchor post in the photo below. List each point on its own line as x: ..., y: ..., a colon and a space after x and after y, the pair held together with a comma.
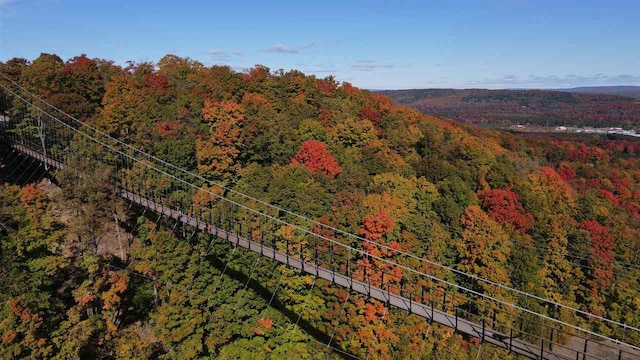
x: 261, y: 245
x: 388, y: 296
x: 510, y: 339
x: 432, y: 311
x: 444, y: 301
x: 456, y: 315
x: 287, y: 251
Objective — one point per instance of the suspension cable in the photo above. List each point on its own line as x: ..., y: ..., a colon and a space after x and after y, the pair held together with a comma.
x: 362, y: 252
x: 279, y: 209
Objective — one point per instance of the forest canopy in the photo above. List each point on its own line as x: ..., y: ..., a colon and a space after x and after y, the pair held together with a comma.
x: 558, y: 218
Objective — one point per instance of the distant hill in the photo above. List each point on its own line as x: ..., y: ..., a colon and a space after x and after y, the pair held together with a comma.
x: 537, y: 107
x: 631, y: 91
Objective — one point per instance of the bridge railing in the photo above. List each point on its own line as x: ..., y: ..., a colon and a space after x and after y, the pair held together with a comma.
x: 188, y: 193
x: 288, y: 216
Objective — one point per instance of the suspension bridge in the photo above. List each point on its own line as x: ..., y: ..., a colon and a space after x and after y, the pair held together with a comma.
x: 35, y: 129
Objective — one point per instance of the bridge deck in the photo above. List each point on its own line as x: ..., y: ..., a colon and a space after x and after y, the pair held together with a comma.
x: 426, y: 311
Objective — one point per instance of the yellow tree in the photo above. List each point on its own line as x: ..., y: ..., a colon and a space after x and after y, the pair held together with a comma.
x: 217, y: 151
x: 483, y: 250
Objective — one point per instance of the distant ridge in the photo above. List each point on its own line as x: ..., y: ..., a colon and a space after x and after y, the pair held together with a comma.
x: 631, y: 91
x: 556, y: 107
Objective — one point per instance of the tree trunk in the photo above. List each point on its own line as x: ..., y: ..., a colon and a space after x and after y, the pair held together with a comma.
x: 155, y: 292
x: 122, y: 254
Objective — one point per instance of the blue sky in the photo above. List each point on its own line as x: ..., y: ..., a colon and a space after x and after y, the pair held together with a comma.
x: 372, y: 44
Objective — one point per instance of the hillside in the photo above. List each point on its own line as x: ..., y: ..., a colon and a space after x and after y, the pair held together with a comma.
x: 630, y: 91
x: 555, y: 218
x: 534, y: 107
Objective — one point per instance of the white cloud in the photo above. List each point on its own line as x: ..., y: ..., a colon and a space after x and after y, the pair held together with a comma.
x: 368, y: 65
x: 280, y: 48
x: 219, y: 56
x: 321, y: 69
x: 294, y: 49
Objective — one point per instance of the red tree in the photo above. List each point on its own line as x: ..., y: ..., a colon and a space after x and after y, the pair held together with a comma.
x: 314, y: 155
x: 374, y: 228
x: 325, y: 117
x: 608, y: 195
x: 586, y: 154
x: 566, y: 172
x: 155, y: 83
x: 326, y: 88
x: 368, y: 113
x: 166, y: 127
x: 601, y: 255
x: 504, y: 207
x: 551, y: 176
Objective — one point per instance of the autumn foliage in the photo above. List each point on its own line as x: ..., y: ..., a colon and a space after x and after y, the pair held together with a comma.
x: 503, y: 206
x: 374, y: 228
x: 217, y: 151
x: 554, y: 216
x: 566, y: 172
x: 368, y: 113
x: 167, y: 127
x: 601, y: 256
x: 314, y: 155
x: 326, y: 88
